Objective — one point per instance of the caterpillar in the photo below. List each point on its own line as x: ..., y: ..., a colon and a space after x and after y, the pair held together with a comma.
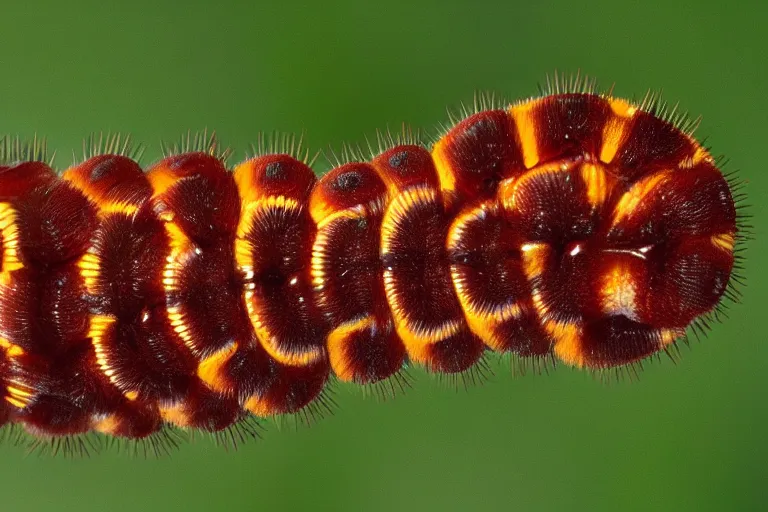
x: 189, y: 296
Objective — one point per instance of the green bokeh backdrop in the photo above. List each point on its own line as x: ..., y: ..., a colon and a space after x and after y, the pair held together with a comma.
x: 689, y: 436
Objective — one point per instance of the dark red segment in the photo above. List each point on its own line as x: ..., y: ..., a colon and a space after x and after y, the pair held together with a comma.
x: 552, y: 208
x: 148, y: 358
x: 288, y: 389
x: 569, y: 125
x: 69, y: 391
x: 525, y: 336
x: 687, y: 273
x: 139, y: 346
x: 204, y: 200
x: 280, y: 241
x: 18, y: 180
x: 616, y: 340
x: 43, y: 308
x: 374, y: 354
x: 113, y: 179
x: 418, y: 259
x: 275, y: 175
x: 134, y: 419
x: 209, y: 410
x: 131, y: 261
x: 487, y: 261
x: 686, y: 202
x: 52, y: 324
x: 349, y: 281
x: 482, y: 150
x: 421, y: 276
x: 488, y: 256
x: 55, y: 224
x: 405, y: 166
x: 145, y: 357
x: 352, y: 286
x: 210, y: 295
x: 685, y: 281
x: 45, y: 311
x: 650, y: 144
x: 348, y: 186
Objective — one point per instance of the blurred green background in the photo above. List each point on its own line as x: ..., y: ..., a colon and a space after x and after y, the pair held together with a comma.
x: 689, y: 436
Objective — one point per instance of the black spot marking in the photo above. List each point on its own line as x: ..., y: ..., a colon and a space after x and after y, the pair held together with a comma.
x: 481, y: 128
x: 399, y: 161
x: 348, y: 181
x: 101, y: 169
x: 275, y: 171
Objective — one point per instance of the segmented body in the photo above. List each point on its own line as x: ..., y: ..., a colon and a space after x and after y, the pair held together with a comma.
x: 574, y: 224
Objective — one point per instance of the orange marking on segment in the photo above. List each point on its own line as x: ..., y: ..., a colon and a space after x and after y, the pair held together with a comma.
x: 483, y: 323
x: 247, y: 187
x: 534, y: 256
x: 618, y: 292
x: 19, y: 404
x: 349, y: 213
x: 700, y: 155
x: 161, y: 178
x: 445, y: 172
x: 180, y: 249
x: 319, y: 209
x: 178, y: 320
x: 526, y: 128
x: 568, y: 343
x: 107, y: 424
x: 597, y: 186
x: 175, y: 414
x: 103, y: 206
x: 724, y: 241
x: 337, y: 343
x: 635, y: 195
x: 10, y: 349
x: 15, y: 351
x: 506, y: 192
x: 259, y: 406
x: 98, y: 326
x: 538, y: 304
x: 19, y: 395
x: 10, y: 243
x: 669, y: 336
x: 90, y: 270
x: 209, y: 370
x: 615, y: 128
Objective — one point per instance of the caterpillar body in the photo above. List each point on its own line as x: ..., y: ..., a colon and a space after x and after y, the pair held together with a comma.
x: 574, y: 225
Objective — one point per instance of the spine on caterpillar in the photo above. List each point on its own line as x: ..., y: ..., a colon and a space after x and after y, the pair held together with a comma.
x: 575, y: 226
